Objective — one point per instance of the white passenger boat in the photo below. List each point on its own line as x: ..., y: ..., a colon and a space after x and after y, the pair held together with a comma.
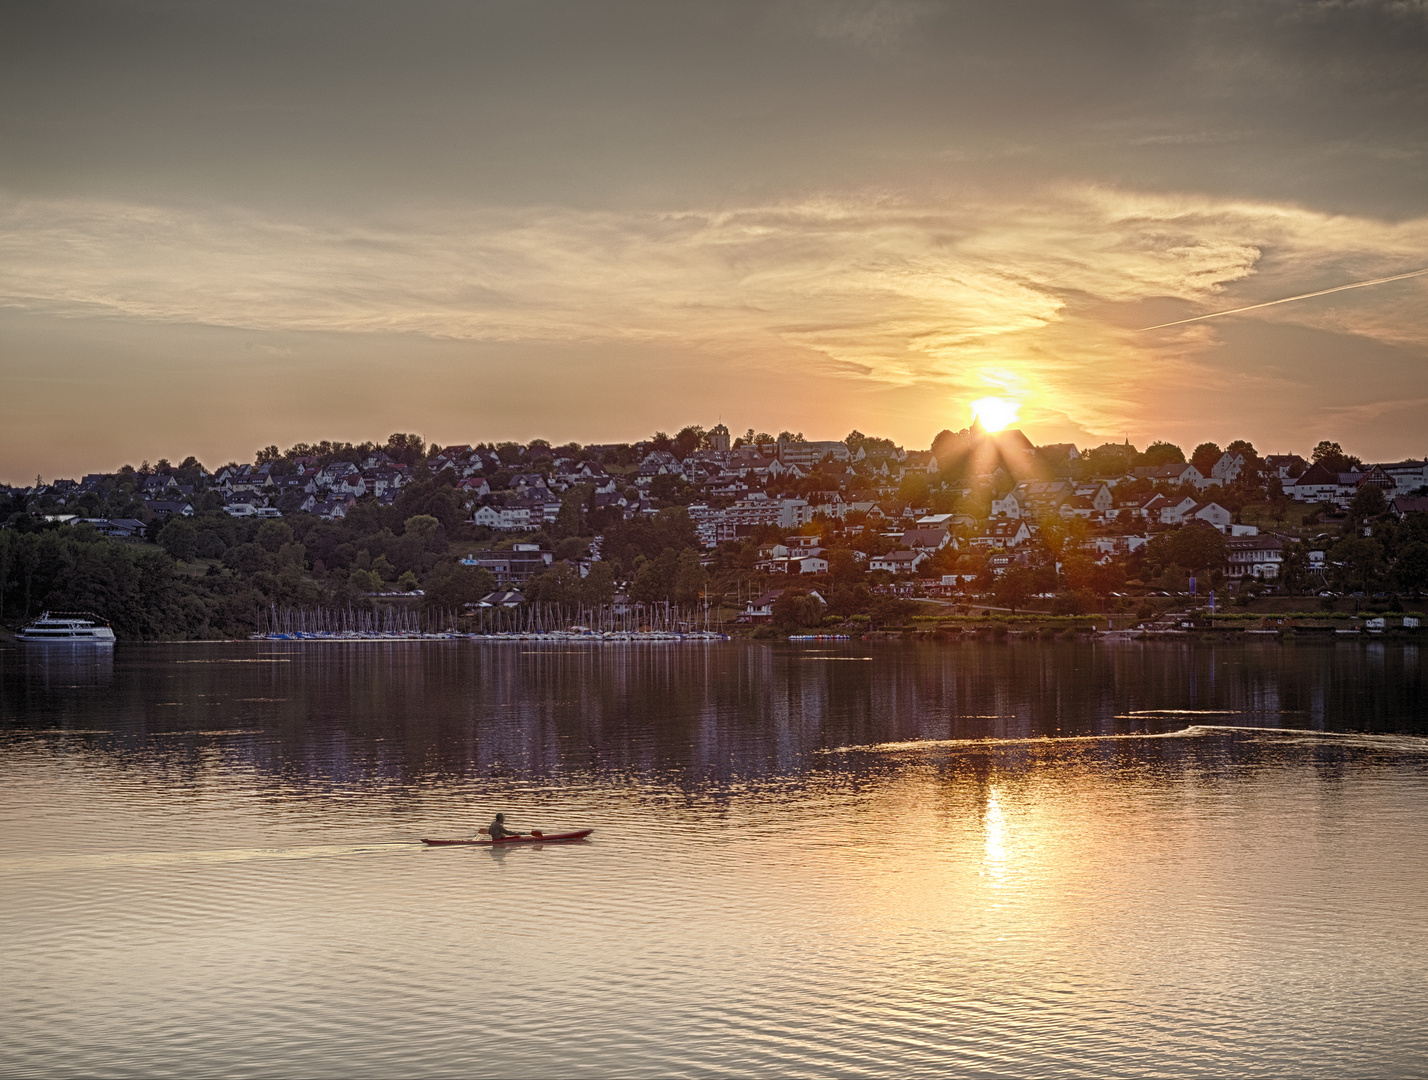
x: 67, y: 628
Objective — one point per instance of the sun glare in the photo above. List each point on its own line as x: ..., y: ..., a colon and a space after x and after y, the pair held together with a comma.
x: 994, y: 413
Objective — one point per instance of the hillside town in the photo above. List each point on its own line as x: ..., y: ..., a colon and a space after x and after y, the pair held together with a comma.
x: 843, y: 526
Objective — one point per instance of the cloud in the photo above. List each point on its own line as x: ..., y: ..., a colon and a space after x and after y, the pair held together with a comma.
x: 950, y: 296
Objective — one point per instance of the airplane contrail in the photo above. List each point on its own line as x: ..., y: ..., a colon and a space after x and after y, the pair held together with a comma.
x: 1287, y: 299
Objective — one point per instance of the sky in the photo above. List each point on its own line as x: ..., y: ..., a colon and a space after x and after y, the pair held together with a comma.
x: 224, y: 226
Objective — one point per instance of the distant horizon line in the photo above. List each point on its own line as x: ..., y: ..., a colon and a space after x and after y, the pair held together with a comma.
x: 428, y: 452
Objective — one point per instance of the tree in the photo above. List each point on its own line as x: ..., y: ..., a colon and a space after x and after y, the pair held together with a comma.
x: 689, y: 578
x: 272, y: 535
x: 848, y: 599
x: 1161, y: 453
x: 567, y: 519
x: 689, y: 440
x: 560, y: 584
x: 913, y: 489
x: 7, y: 558
x: 421, y: 526
x: 1193, y: 547
x: 1205, y: 457
x: 452, y: 585
x: 795, y: 608
x: 672, y: 489
x: 1013, y: 588
x: 1108, y: 459
x: 1356, y: 565
x: 856, y: 441
x: 436, y: 498
x: 1071, y: 603
x: 247, y: 558
x: 674, y: 575
x: 179, y: 537
x: 365, y: 581
x: 1331, y: 455
x: 405, y: 449
x: 649, y: 537
x: 1078, y: 571
x: 843, y: 567
x: 1294, y: 567
x: 1410, y: 569
x: 1368, y: 502
x: 598, y: 588
x: 890, y: 611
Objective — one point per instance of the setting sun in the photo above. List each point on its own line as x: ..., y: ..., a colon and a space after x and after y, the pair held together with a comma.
x: 994, y: 413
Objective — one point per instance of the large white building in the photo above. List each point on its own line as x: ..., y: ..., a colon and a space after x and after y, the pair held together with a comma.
x: 747, y: 514
x: 1254, y: 557
x: 810, y: 453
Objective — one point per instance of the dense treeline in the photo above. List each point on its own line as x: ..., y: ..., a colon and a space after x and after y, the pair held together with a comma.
x: 140, y: 590
x: 209, y: 575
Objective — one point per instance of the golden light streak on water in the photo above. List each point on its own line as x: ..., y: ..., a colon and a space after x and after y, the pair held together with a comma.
x: 248, y: 897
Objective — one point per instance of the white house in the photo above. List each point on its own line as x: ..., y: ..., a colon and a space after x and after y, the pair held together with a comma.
x: 473, y: 487
x: 1228, y: 467
x: 1174, y: 474
x: 508, y: 518
x: 1408, y: 476
x: 797, y: 564
x: 1008, y: 506
x: 1003, y: 534
x: 1254, y: 556
x: 899, y: 562
x: 1212, y: 514
x: 1171, y: 511
x: 1318, y: 484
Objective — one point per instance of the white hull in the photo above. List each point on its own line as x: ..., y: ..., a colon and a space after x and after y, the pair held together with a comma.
x: 67, y: 639
x: 51, y: 629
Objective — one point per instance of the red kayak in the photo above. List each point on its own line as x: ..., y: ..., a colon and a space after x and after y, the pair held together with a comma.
x: 548, y: 838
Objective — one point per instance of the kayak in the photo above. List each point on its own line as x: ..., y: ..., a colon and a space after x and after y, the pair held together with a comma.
x: 548, y: 838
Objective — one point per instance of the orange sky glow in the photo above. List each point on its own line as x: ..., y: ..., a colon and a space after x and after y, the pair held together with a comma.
x: 816, y: 218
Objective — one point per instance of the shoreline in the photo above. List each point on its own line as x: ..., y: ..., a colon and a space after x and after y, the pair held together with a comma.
x: 943, y: 636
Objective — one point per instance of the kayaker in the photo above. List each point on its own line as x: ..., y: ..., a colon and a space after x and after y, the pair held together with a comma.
x: 497, y: 829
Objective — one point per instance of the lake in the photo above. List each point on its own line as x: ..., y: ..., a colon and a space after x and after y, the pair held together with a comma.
x: 973, y: 859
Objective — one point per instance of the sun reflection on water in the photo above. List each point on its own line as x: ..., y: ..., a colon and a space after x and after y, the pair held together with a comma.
x: 994, y: 863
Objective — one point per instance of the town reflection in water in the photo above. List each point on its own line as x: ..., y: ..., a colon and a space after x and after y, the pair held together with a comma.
x: 925, y: 859
x: 706, y: 714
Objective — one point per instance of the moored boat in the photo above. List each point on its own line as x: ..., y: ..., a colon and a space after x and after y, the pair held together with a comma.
x: 67, y: 628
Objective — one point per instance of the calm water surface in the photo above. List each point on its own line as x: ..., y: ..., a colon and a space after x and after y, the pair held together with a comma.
x: 1007, y: 860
